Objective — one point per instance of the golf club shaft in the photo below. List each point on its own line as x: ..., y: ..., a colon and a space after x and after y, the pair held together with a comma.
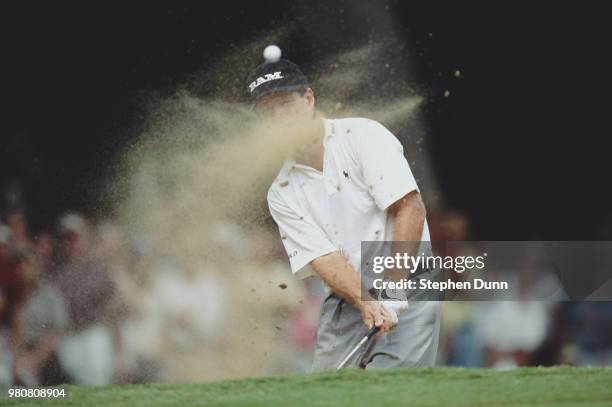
x: 363, y: 340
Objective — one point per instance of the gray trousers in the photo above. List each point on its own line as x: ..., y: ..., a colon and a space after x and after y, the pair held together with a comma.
x: 412, y: 343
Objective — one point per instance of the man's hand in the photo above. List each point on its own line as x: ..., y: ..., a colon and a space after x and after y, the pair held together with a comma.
x: 374, y: 313
x: 338, y: 274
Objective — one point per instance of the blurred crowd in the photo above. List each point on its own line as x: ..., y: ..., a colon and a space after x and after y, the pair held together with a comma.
x: 508, y: 334
x: 83, y: 303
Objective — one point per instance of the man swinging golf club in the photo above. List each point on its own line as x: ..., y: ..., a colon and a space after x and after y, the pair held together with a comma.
x: 350, y: 183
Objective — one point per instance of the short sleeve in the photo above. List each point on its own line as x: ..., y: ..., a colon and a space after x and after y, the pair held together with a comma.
x: 303, y: 240
x: 385, y: 169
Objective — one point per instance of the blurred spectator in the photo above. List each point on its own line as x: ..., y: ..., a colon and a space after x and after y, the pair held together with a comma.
x: 303, y: 324
x: 90, y: 351
x: 44, y: 320
x: 6, y: 374
x: 13, y: 289
x: 141, y: 330
x: 460, y: 345
x: 555, y: 348
x: 43, y: 247
x: 5, y: 239
x: 591, y: 328
x: 197, y: 315
x: 510, y: 331
x: 448, y: 225
x: 20, y: 238
x: 6, y: 377
x: 279, y: 299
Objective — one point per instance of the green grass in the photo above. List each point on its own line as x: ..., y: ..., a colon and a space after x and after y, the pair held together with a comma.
x: 560, y: 386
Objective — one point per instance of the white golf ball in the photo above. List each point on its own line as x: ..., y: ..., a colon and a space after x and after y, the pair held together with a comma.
x: 272, y: 53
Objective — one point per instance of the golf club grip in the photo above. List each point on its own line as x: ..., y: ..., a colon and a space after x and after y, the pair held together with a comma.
x: 373, y: 331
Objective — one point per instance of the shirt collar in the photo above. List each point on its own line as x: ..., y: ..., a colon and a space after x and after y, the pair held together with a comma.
x: 330, y: 129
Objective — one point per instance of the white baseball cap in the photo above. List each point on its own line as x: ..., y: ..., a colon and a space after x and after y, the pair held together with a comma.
x: 72, y: 222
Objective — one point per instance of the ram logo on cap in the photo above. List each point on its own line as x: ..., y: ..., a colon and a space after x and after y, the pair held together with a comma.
x: 266, y: 78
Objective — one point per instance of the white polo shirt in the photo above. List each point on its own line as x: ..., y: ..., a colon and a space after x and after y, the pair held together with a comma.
x: 364, y: 172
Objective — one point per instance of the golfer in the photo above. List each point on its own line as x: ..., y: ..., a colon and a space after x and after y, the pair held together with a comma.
x: 350, y: 184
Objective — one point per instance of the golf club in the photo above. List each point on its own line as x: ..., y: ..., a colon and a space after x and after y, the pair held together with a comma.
x: 363, y: 340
